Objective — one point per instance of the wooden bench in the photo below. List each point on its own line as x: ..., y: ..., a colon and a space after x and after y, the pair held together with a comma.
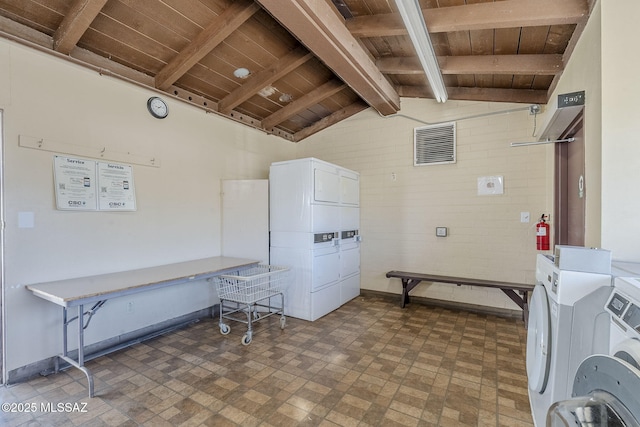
x: 518, y: 292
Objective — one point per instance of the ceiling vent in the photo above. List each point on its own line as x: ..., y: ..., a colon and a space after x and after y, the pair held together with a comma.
x: 433, y: 145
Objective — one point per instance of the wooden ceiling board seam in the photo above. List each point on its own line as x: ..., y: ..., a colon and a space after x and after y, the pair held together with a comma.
x: 94, y: 41
x: 523, y: 81
x: 482, y: 42
x: 506, y: 41
x: 123, y: 36
x: 175, y: 37
x: 251, y: 33
x: 21, y: 13
x: 532, y: 40
x: 225, y: 59
x: 195, y: 11
x: 209, y: 77
x: 504, y: 81
x: 20, y: 33
x: 160, y: 15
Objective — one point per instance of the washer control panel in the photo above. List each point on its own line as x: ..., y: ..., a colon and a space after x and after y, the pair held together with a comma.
x: 624, y: 311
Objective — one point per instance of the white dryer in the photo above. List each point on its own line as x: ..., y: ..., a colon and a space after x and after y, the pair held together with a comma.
x: 606, y: 389
x: 567, y: 323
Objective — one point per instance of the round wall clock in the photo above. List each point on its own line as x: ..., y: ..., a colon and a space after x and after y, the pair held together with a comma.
x: 157, y: 107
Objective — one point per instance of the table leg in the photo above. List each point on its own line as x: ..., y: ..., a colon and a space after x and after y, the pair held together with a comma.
x: 65, y: 356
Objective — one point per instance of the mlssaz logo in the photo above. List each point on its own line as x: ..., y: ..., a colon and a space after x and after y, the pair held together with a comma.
x: 76, y: 202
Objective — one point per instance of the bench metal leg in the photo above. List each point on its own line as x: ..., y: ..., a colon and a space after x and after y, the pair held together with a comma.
x: 408, y: 285
x: 521, y: 300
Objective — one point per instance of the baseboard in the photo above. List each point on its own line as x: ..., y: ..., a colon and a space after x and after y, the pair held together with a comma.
x: 455, y: 305
x: 47, y: 366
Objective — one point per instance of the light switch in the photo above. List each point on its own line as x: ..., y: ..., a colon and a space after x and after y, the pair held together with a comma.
x: 524, y: 217
x: 441, y: 231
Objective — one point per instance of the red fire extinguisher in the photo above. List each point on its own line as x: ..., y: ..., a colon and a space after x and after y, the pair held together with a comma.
x: 542, y: 234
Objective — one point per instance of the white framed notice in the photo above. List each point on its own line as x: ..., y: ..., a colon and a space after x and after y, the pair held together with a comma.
x: 117, y: 189
x: 75, y: 184
x: 490, y: 185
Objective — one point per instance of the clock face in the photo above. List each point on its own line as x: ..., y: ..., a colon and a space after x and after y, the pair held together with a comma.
x: 157, y: 107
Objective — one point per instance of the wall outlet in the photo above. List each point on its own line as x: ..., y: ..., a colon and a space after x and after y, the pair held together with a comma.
x: 130, y: 307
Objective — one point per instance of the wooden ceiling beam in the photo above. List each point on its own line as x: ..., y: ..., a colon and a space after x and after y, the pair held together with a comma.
x: 525, y: 96
x: 214, y: 34
x: 320, y: 28
x: 477, y: 16
x: 80, y: 16
x: 314, y: 97
x: 330, y: 120
x: 264, y: 78
x: 548, y: 64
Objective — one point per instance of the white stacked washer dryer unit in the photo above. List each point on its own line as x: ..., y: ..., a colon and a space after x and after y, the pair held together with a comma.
x: 567, y: 322
x: 314, y: 221
x: 606, y: 387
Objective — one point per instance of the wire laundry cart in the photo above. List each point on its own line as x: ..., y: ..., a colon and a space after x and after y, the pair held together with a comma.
x: 249, y: 293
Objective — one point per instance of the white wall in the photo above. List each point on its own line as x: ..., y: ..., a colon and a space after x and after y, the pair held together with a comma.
x: 399, y: 217
x: 620, y: 129
x: 178, y: 204
x: 604, y: 66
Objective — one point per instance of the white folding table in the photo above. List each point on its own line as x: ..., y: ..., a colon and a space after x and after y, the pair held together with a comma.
x: 96, y: 290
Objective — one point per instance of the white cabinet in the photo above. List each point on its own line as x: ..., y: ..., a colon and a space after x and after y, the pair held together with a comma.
x: 314, y: 224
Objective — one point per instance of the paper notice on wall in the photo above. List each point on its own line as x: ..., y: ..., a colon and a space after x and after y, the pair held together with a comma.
x: 117, y: 192
x: 490, y: 185
x: 75, y: 184
x: 88, y: 185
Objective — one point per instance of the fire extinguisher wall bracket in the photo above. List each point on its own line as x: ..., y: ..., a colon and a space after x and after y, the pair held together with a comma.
x: 542, y: 234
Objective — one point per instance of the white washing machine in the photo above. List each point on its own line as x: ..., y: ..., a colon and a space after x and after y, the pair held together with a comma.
x: 606, y: 388
x: 567, y: 323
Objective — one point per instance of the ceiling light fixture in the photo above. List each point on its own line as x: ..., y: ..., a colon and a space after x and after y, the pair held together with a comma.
x: 241, y: 73
x: 286, y: 97
x: 416, y: 26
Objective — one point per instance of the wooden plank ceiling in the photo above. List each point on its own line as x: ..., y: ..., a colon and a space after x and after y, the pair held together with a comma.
x: 311, y: 63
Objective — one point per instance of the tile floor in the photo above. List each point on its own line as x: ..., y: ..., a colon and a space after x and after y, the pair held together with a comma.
x: 370, y: 363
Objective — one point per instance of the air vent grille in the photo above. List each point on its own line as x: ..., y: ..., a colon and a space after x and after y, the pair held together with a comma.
x: 435, y: 144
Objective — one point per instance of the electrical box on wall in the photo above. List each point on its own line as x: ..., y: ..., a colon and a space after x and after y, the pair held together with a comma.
x: 441, y: 231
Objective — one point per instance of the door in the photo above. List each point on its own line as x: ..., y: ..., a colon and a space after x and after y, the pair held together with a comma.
x: 350, y: 188
x: 326, y: 185
x: 571, y: 187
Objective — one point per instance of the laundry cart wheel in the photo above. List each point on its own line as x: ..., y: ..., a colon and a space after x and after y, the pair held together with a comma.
x: 246, y: 339
x: 283, y: 322
x: 224, y: 329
